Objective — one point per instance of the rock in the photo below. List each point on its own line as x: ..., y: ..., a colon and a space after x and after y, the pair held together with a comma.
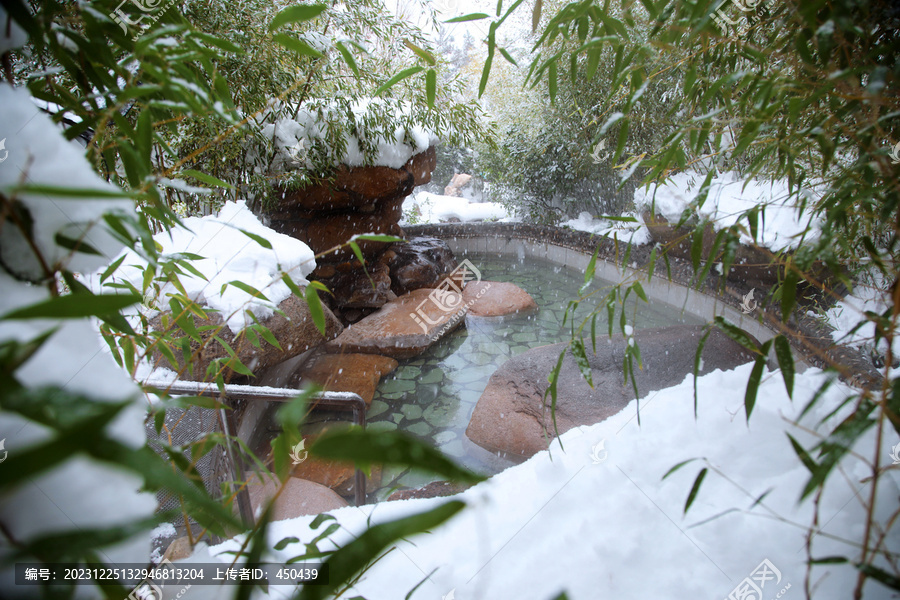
x: 435, y: 489
x: 179, y: 549
x: 496, y: 298
x: 422, y: 262
x: 352, y: 287
x: 358, y: 373
x: 404, y: 327
x: 510, y: 416
x: 299, y: 498
x: 294, y: 330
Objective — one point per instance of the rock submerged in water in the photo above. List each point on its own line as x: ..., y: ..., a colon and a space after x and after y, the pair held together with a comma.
x: 404, y: 327
x: 511, y: 418
x: 357, y: 373
x: 496, y: 299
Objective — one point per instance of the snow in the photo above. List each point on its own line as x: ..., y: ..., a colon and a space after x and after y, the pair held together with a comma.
x: 847, y: 313
x: 780, y: 227
x: 11, y: 35
x: 36, y: 157
x: 308, y: 130
x: 80, y: 492
x: 229, y: 255
x: 569, y: 519
x: 425, y: 207
x: 636, y: 233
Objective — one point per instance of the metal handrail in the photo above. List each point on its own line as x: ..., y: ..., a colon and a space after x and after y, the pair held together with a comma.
x: 340, y: 401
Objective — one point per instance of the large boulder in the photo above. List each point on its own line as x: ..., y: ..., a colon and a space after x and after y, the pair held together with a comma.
x: 354, y: 287
x: 511, y: 417
x: 299, y: 498
x: 294, y: 329
x: 358, y: 373
x: 422, y: 262
x: 404, y: 327
x: 496, y: 299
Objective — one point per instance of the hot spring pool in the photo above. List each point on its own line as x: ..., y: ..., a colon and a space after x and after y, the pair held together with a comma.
x: 432, y: 396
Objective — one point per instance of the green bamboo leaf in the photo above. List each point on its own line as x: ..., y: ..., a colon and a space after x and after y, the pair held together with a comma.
x: 348, y: 58
x: 469, y: 17
x: 248, y: 288
x: 205, y: 178
x: 677, y: 466
x: 296, y: 45
x: 589, y: 272
x: 552, y: 81
x: 430, y: 87
x: 398, y: 77
x: 697, y: 358
x: 695, y: 489
x: 786, y: 362
x: 639, y: 290
x: 536, y: 15
x: 74, y: 306
x: 737, y: 334
x: 507, y: 56
x: 296, y: 14
x: 315, y: 309
x: 753, y: 385
x: 377, y: 237
x: 352, y: 558
x: 425, y: 55
x: 485, y: 73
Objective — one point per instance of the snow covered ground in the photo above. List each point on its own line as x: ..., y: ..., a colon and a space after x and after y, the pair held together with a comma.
x: 597, y: 520
x: 634, y: 232
x: 425, y: 207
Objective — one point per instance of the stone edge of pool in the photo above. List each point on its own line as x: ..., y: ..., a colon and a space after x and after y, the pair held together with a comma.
x: 810, y: 339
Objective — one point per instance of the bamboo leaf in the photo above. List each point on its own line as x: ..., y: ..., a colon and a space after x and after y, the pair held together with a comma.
x: 398, y: 78
x: 296, y: 14
x: 695, y: 489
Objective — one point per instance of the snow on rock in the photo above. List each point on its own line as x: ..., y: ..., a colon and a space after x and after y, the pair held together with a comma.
x: 729, y: 196
x: 298, y: 136
x: 637, y: 233
x: 598, y: 520
x: 425, y: 207
x: 229, y: 255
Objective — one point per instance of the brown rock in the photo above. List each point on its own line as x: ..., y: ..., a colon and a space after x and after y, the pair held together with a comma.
x: 422, y: 262
x: 435, y: 489
x: 496, y: 298
x: 351, y: 187
x: 294, y: 329
x: 404, y: 327
x: 355, y: 288
x: 179, y: 549
x: 457, y: 182
x: 358, y: 373
x: 516, y: 390
x: 298, y: 498
x: 422, y: 165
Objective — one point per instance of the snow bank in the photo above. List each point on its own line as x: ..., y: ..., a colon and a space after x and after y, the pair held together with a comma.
x: 229, y: 255
x: 636, y: 233
x: 847, y: 313
x: 729, y: 196
x: 598, y: 521
x: 298, y: 138
x: 80, y: 493
x: 425, y: 207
